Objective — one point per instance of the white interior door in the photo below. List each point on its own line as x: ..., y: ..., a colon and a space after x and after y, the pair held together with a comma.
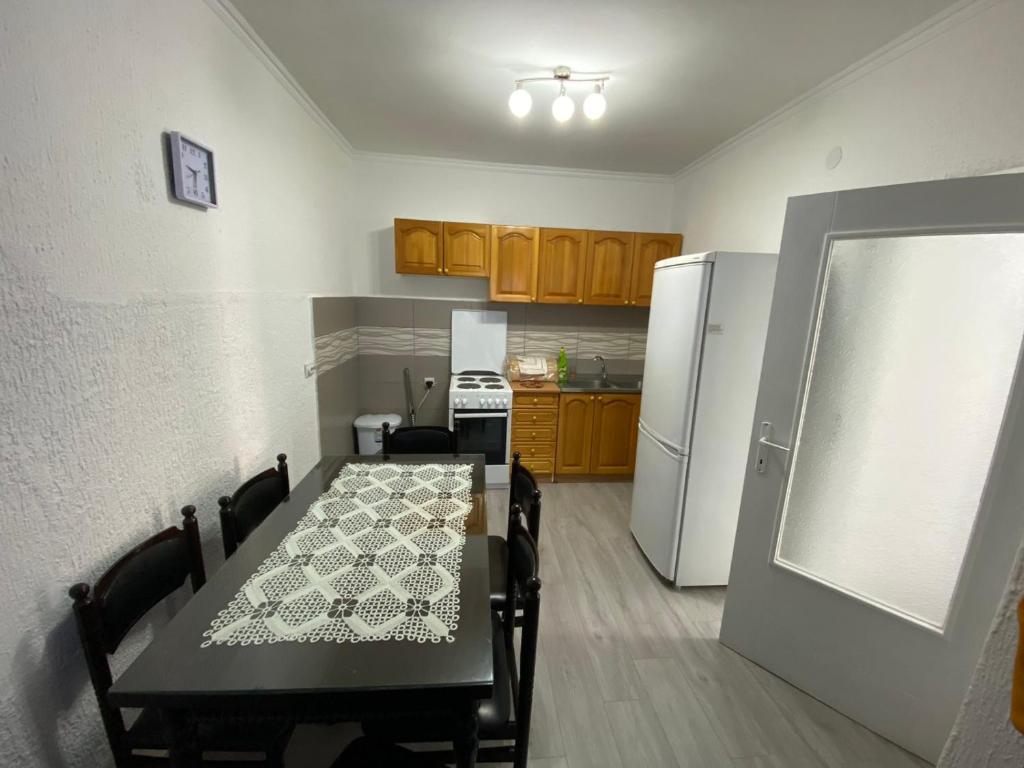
x: 881, y: 507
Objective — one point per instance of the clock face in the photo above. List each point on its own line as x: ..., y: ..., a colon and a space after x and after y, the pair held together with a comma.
x: 193, y: 172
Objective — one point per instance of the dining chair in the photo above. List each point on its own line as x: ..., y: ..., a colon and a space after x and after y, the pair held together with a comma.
x: 523, y: 491
x: 506, y: 715
x: 105, y: 614
x: 243, y: 511
x: 417, y: 440
x: 366, y: 752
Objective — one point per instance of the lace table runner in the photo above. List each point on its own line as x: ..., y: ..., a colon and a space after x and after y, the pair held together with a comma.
x: 377, y: 557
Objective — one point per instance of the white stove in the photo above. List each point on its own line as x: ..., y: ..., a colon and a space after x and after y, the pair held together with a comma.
x: 479, y: 397
x: 484, y: 390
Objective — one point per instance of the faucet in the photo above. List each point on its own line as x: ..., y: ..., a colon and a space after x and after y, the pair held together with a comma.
x: 604, y: 368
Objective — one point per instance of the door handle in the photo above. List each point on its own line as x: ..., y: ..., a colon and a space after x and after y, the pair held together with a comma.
x: 764, y: 442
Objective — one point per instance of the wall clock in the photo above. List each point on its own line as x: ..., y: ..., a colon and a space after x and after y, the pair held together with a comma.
x: 194, y: 180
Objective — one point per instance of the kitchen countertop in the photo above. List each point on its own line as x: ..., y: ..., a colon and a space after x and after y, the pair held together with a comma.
x: 591, y: 383
x: 545, y: 386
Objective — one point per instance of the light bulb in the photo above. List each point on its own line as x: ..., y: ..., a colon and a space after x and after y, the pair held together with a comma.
x: 595, y: 105
x: 520, y: 101
x: 563, y: 107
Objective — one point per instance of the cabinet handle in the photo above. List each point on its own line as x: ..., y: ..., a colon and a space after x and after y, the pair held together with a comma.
x: 579, y: 301
x: 626, y: 301
x: 600, y: 398
x: 591, y: 397
x: 534, y: 418
x: 438, y: 270
x: 446, y: 270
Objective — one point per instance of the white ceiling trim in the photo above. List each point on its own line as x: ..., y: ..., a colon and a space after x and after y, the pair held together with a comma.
x: 234, y: 20
x: 948, y: 19
x: 533, y: 170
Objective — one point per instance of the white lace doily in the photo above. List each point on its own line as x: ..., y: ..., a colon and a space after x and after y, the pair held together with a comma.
x: 377, y: 557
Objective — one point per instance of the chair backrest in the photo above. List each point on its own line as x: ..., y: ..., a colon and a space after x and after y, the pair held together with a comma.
x: 417, y: 440
x: 523, y: 579
x: 122, y: 596
x: 242, y: 512
x: 523, y: 491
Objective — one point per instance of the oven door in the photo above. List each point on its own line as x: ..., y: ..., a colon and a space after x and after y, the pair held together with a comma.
x: 483, y: 432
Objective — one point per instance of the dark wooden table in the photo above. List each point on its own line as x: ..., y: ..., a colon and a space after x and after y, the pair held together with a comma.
x: 323, y: 681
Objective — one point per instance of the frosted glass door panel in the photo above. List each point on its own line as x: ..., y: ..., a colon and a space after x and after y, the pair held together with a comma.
x: 914, y: 355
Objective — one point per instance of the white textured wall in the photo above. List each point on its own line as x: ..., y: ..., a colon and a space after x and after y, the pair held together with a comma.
x: 947, y: 103
x: 150, y: 353
x: 411, y: 188
x: 982, y: 734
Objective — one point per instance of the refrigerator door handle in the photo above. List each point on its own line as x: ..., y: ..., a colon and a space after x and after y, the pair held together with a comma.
x: 667, y: 448
x: 763, y: 443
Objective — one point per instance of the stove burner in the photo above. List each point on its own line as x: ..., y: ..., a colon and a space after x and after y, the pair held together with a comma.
x: 492, y: 386
x: 467, y: 378
x: 490, y: 380
x: 469, y: 386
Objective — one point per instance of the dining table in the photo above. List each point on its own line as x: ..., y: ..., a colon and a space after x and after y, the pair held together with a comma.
x: 215, y: 661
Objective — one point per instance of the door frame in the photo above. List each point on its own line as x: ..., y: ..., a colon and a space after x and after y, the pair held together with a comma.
x: 989, y: 204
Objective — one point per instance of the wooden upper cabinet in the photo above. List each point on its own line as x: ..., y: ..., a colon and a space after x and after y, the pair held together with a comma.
x: 616, y: 421
x: 418, y: 248
x: 575, y: 431
x: 647, y: 249
x: 514, y: 253
x: 609, y: 268
x: 563, y: 266
x: 467, y: 249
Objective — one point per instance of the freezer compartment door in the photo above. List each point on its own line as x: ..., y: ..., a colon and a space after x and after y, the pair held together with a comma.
x: 657, y: 510
x: 675, y: 337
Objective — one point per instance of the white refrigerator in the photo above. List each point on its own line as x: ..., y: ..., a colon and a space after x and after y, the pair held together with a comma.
x: 705, y: 341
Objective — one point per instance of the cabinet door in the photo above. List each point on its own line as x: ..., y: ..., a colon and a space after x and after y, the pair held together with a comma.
x: 609, y: 268
x: 575, y: 431
x: 616, y: 420
x: 514, y: 263
x: 647, y: 249
x: 467, y: 249
x: 563, y: 266
x: 418, y: 247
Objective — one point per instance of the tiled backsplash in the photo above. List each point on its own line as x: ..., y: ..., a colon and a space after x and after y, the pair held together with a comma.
x: 362, y: 344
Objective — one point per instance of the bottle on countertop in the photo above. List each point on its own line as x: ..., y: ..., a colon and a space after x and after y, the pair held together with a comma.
x: 563, y: 367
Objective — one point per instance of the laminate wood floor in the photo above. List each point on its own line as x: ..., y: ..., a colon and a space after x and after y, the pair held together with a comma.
x: 630, y: 672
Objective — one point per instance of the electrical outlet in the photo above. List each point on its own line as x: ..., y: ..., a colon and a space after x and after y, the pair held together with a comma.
x: 428, y: 382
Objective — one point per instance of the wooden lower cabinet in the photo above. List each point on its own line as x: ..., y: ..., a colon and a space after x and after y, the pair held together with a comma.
x: 575, y: 431
x: 616, y: 423
x: 535, y: 427
x: 597, y: 434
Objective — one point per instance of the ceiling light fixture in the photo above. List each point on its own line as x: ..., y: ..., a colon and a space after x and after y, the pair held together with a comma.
x: 595, y: 105
x: 563, y: 107
x: 520, y: 101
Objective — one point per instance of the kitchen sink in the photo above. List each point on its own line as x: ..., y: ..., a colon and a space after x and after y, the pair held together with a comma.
x: 597, y: 384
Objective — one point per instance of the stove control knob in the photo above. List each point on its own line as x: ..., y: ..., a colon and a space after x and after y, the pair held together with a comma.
x: 486, y: 402
x: 504, y: 402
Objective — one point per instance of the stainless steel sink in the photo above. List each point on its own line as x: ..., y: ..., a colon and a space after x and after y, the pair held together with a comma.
x: 597, y: 384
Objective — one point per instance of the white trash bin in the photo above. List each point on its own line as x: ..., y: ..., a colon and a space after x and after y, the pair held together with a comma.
x: 368, y: 430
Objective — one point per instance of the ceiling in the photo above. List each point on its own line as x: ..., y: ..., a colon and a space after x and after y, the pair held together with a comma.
x: 432, y: 77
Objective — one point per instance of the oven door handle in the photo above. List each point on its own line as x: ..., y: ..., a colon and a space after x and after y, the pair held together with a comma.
x: 487, y: 415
